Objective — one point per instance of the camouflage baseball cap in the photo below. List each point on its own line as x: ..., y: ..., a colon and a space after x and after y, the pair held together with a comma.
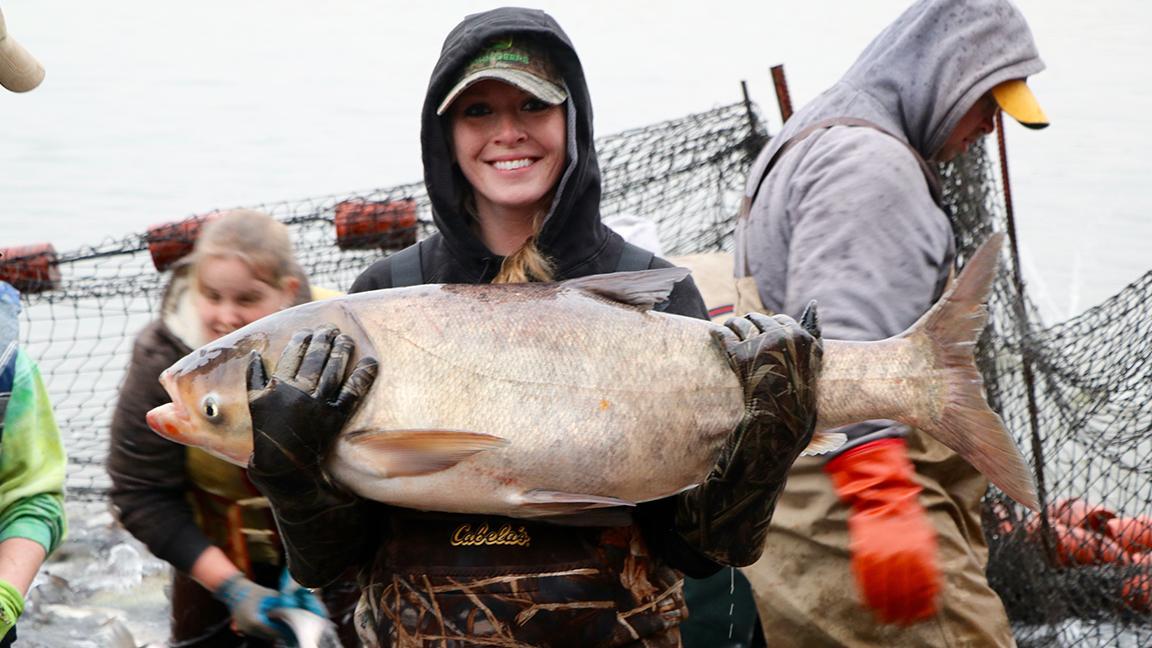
x: 516, y: 61
x: 19, y: 70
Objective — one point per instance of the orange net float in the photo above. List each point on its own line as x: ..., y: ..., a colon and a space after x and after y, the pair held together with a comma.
x: 1133, y: 533
x: 170, y: 242
x: 30, y: 268
x: 1075, y: 512
x: 1079, y: 546
x: 1137, y: 588
x: 367, y: 224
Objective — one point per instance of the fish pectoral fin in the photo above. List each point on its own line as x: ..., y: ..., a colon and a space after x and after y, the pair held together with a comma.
x: 567, y: 508
x: 404, y: 453
x: 643, y: 289
x: 824, y: 442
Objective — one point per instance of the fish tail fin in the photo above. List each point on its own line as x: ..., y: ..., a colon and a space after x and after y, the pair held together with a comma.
x: 966, y: 423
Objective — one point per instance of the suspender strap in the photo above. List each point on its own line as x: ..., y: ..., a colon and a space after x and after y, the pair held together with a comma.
x: 406, y: 269
x: 634, y: 258
x: 929, y: 174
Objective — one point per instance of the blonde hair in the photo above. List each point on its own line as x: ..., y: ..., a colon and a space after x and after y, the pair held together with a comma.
x: 525, y: 265
x: 261, y: 242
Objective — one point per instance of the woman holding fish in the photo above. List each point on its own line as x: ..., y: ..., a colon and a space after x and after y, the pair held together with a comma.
x: 511, y: 171
x: 193, y: 510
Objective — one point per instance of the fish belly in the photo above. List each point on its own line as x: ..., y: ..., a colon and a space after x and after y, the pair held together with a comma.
x: 592, y: 398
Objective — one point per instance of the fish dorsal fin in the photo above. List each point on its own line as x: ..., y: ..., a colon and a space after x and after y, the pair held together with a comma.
x: 643, y: 289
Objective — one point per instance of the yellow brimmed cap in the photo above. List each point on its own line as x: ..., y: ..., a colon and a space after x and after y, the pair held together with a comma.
x: 1016, y: 99
x: 19, y: 70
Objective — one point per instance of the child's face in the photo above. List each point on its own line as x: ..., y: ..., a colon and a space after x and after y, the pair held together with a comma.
x: 228, y: 296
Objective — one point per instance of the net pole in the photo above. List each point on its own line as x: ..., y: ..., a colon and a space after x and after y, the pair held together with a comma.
x: 1023, y: 327
x: 748, y: 107
x: 783, y: 99
x: 755, y: 139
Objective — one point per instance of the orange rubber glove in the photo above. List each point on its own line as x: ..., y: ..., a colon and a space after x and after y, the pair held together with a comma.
x: 893, y: 543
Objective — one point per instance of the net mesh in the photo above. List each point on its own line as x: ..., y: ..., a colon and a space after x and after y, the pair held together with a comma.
x: 1076, y: 395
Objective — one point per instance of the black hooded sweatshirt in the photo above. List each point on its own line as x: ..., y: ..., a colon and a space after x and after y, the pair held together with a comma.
x: 572, y: 234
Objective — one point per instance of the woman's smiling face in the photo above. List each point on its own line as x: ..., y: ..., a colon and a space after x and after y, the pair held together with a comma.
x: 511, y: 147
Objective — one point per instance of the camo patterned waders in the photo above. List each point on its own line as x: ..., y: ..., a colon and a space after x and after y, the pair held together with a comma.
x: 458, y: 581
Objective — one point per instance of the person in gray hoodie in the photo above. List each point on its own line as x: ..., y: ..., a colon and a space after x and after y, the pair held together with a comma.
x: 843, y: 207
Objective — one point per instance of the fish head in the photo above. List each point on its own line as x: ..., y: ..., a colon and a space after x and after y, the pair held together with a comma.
x: 209, y: 392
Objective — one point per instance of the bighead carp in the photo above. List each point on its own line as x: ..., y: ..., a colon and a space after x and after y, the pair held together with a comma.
x: 532, y: 400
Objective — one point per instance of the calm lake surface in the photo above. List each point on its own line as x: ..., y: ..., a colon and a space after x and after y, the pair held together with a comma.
x: 154, y: 111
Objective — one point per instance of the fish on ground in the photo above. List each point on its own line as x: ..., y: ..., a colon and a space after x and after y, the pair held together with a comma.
x: 536, y: 400
x: 309, y: 629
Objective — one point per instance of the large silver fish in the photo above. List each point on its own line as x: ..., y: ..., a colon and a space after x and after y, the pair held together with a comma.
x: 534, y: 400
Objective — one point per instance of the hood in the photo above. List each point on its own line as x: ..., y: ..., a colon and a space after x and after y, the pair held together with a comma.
x: 572, y: 231
x: 925, y: 70
x: 178, y: 311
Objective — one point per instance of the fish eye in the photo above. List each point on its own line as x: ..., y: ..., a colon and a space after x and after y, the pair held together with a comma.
x: 210, y: 406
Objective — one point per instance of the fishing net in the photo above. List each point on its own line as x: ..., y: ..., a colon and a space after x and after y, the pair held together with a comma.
x: 1078, y: 398
x: 1076, y: 395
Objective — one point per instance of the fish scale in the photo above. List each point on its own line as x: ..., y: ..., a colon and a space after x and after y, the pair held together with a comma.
x: 544, y: 388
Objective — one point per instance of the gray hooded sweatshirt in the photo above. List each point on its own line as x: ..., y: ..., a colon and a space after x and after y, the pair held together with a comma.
x: 845, y: 216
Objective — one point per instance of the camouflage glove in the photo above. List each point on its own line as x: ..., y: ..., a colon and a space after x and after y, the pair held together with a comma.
x: 726, y: 517
x: 295, y: 417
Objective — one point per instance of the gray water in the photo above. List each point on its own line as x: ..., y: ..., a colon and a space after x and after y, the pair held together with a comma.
x: 154, y: 111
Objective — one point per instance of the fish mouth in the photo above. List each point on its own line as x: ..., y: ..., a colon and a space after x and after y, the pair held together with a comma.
x: 174, y: 422
x: 169, y: 384
x: 169, y: 422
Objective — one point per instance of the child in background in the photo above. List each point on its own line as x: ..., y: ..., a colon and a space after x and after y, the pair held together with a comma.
x: 193, y: 510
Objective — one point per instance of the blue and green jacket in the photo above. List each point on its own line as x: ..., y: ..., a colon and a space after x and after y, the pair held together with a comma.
x: 31, y: 456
